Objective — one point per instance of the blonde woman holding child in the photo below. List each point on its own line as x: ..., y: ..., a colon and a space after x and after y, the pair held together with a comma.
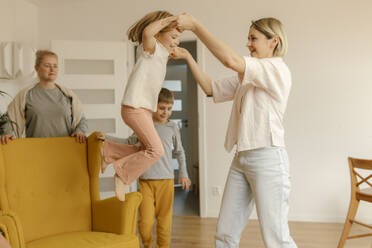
x: 259, y: 173
x: 156, y: 35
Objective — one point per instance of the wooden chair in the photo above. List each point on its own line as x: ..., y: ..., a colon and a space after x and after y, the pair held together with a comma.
x: 357, y: 195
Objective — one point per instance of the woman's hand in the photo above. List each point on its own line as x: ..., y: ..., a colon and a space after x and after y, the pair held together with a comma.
x: 81, y: 138
x: 5, y: 138
x: 228, y: 57
x: 185, y: 182
x: 100, y: 136
x: 179, y: 53
x: 186, y: 22
x: 169, y: 21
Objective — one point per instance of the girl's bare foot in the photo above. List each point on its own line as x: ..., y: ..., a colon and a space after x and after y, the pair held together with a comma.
x: 119, y: 188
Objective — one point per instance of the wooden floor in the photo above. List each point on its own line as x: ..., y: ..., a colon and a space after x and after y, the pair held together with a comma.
x: 195, y: 232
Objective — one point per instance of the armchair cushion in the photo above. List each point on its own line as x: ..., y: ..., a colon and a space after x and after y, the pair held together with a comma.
x: 86, y: 240
x: 112, y: 215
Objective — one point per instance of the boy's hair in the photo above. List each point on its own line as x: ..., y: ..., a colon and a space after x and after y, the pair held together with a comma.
x: 272, y: 27
x: 40, y: 54
x: 166, y: 96
x: 135, y: 31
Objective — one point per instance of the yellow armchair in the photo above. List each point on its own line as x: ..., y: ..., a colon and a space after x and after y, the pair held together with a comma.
x: 49, y: 197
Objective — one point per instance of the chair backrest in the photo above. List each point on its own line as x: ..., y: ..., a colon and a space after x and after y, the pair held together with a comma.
x: 357, y: 178
x: 45, y: 182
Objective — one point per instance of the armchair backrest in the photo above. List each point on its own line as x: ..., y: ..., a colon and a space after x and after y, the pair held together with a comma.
x: 45, y: 183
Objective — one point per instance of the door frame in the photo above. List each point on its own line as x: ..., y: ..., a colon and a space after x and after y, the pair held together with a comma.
x: 203, y: 158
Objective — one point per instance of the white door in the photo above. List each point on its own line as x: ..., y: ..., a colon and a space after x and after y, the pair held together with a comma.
x: 96, y: 71
x: 176, y: 81
x: 180, y: 80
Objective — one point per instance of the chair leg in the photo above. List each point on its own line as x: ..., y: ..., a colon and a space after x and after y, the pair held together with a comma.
x: 350, y: 216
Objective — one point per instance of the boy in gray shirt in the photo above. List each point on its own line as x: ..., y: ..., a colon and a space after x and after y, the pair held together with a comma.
x: 157, y: 183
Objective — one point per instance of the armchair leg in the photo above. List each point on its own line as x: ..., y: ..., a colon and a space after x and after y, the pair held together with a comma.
x: 350, y: 216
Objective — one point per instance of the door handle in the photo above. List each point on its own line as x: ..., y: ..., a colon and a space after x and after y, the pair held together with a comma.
x: 185, y: 123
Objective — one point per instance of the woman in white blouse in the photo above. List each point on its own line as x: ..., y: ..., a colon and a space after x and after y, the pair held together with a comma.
x: 259, y: 173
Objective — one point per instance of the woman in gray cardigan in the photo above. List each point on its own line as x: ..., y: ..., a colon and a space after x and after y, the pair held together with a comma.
x: 45, y: 109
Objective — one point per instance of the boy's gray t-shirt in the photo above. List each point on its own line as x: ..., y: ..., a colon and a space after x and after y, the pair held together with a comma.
x: 171, y: 140
x: 48, y: 113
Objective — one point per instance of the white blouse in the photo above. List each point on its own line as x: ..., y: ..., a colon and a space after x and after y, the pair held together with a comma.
x: 146, y: 79
x: 260, y: 102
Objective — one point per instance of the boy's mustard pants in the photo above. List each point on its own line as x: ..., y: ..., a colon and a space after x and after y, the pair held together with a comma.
x: 157, y: 202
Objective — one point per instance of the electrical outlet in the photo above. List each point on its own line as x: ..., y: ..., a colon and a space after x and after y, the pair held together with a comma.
x: 216, y: 191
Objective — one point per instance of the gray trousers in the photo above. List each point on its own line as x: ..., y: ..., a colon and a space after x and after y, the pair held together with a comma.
x: 260, y: 177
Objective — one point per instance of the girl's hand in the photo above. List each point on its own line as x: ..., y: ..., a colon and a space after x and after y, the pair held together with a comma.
x: 179, y: 53
x: 81, y: 138
x: 185, y: 182
x: 100, y: 136
x: 186, y: 22
x: 150, y: 31
x: 5, y: 138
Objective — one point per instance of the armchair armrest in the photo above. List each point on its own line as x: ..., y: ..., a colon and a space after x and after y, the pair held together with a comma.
x: 12, y: 230
x: 114, y: 216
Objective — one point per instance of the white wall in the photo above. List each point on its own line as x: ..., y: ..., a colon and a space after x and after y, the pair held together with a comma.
x: 18, y: 22
x: 329, y: 116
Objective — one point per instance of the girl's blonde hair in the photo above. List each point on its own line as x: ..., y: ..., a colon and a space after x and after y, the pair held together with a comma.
x: 136, y: 30
x: 40, y: 54
x: 272, y: 27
